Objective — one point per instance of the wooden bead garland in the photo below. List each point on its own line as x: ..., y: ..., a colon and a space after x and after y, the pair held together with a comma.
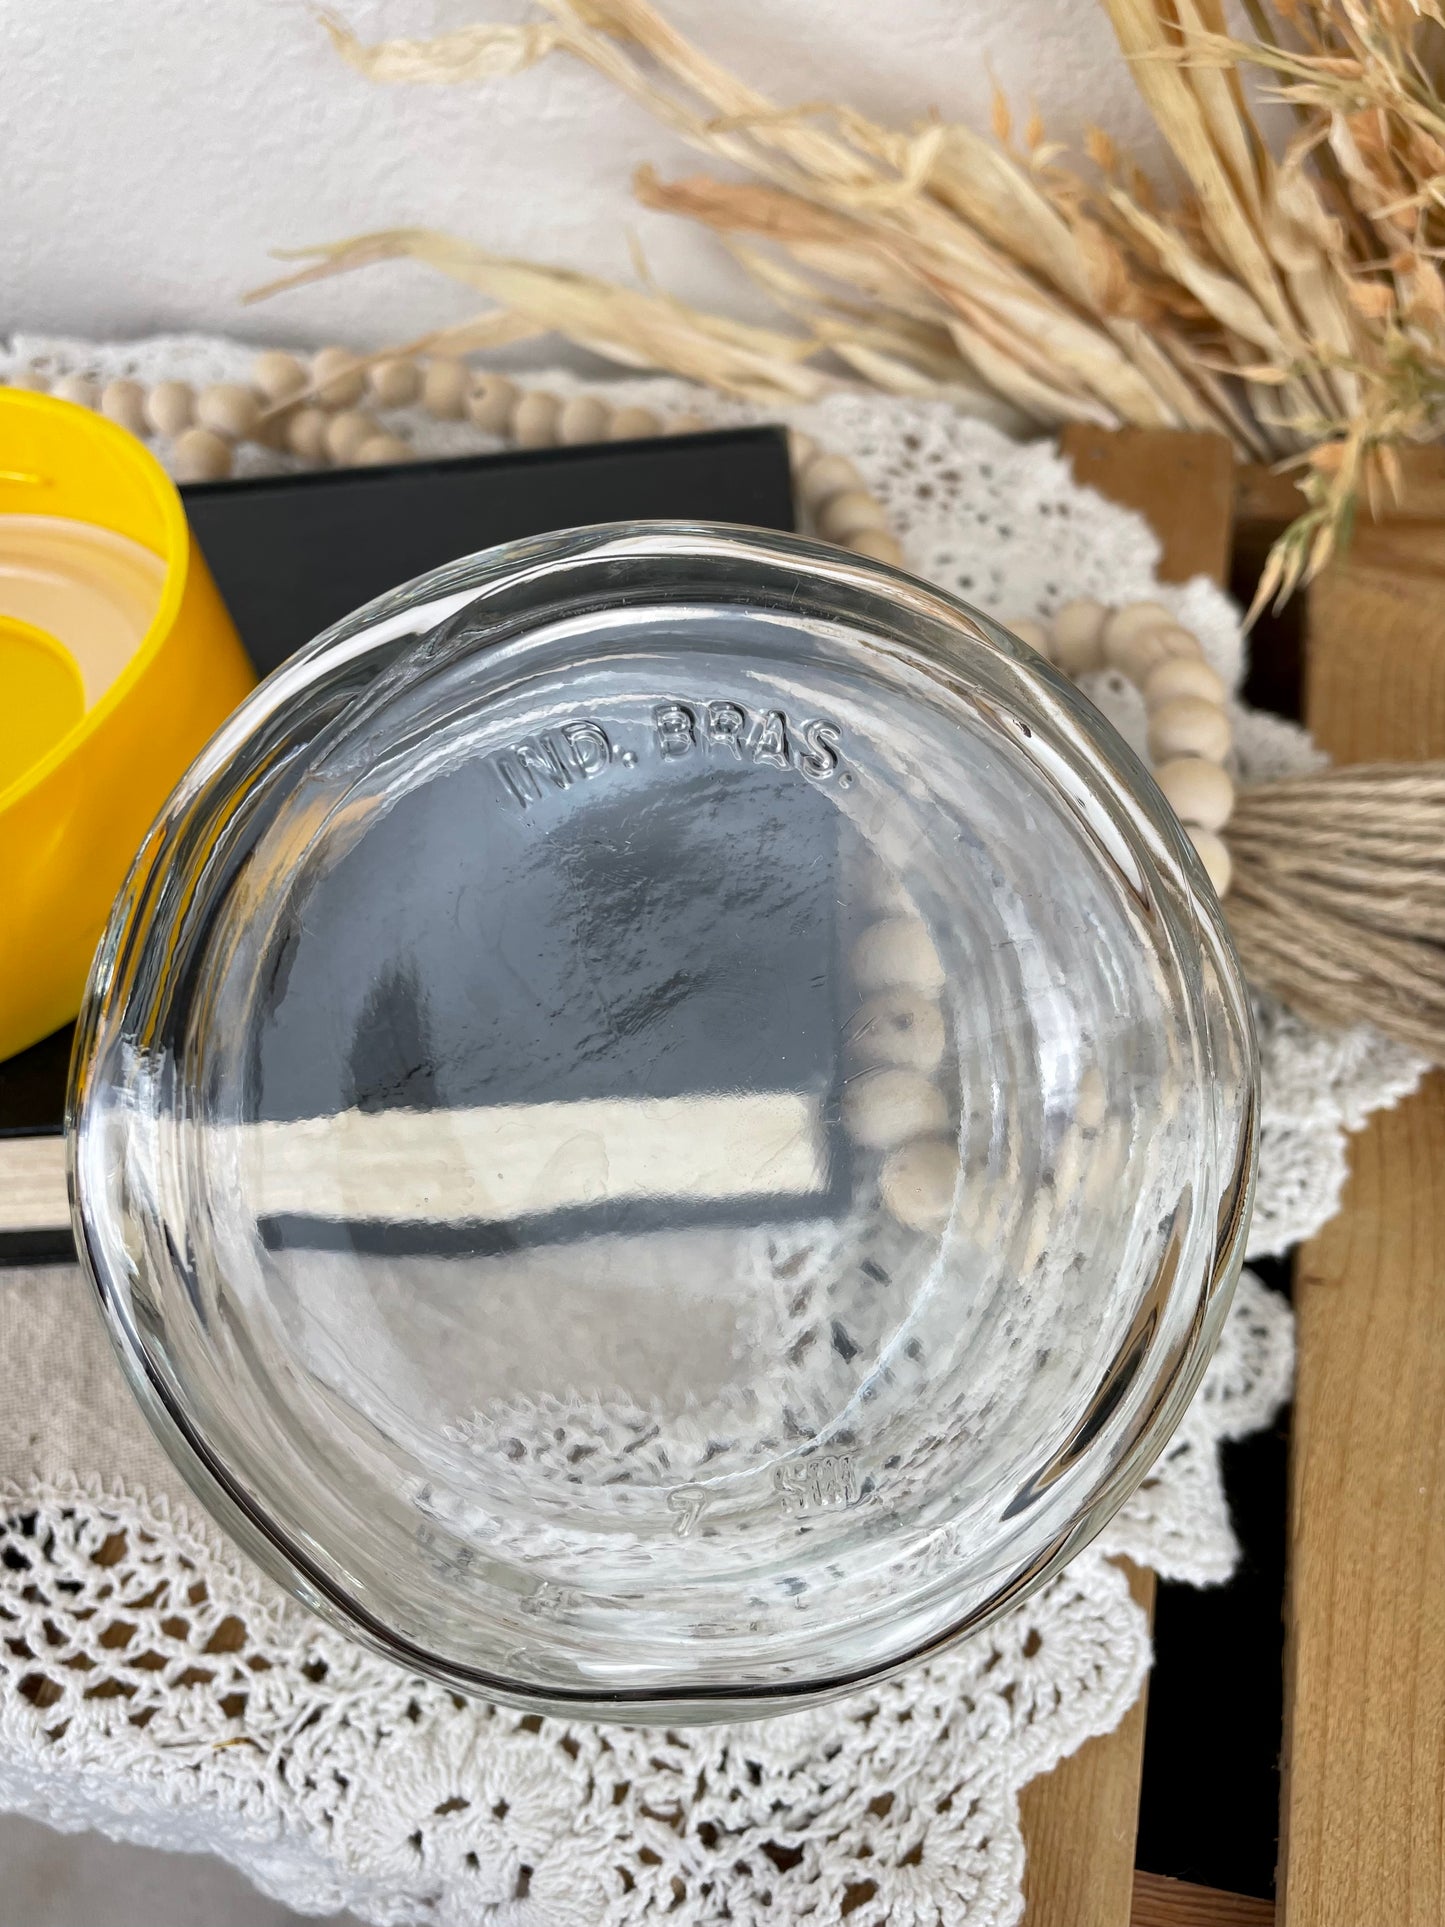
x: 338, y: 378
x: 169, y: 407
x: 534, y: 419
x: 885, y: 1108
x: 1184, y: 701
x: 1188, y: 726
x: 382, y: 451
x: 632, y: 424
x: 279, y: 377
x: 394, y: 384
x: 917, y: 1183
x: 879, y: 544
x: 228, y: 409
x: 345, y: 433
x: 324, y: 412
x: 491, y: 404
x: 200, y: 455
x: 125, y: 402
x: 445, y: 387
x: 316, y: 413
x: 306, y: 433
x: 583, y: 419
x: 77, y: 389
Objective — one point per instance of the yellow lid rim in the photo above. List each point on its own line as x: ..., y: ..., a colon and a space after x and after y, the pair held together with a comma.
x: 175, y: 557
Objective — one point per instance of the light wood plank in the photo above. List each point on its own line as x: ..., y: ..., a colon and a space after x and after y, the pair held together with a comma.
x: 1263, y: 496
x: 1183, y: 485
x: 1081, y: 1820
x: 1363, y: 1824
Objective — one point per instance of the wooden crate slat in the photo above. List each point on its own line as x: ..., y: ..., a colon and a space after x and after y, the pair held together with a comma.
x: 1262, y: 495
x: 1181, y: 483
x: 1081, y: 1820
x: 1159, y: 1902
x: 1363, y: 1824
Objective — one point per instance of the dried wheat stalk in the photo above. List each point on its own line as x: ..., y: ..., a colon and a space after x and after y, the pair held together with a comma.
x: 1292, y: 303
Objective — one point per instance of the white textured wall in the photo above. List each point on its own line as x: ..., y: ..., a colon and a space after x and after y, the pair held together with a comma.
x: 153, y: 151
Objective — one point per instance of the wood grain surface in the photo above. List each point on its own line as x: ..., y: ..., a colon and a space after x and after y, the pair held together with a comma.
x: 1265, y: 496
x: 1081, y: 1820
x: 1363, y: 1822
x: 1182, y: 484
x: 1176, y: 1903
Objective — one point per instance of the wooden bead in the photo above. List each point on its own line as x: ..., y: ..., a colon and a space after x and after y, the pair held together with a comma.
x: 848, y: 514
x: 885, y: 1108
x: 272, y: 425
x: 169, y: 407
x: 395, y: 383
x: 633, y: 424
x: 124, y: 401
x: 1140, y: 655
x: 896, y: 952
x: 1200, y: 793
x: 1079, y: 657
x: 900, y: 1027
x: 879, y: 545
x: 200, y: 455
x: 446, y: 388
x: 826, y: 476
x: 534, y: 419
x: 1029, y: 631
x: 491, y: 403
x: 346, y: 432
x: 801, y: 449
x: 688, y: 424
x: 1132, y: 620
x: 75, y: 388
x: 306, y: 433
x: 583, y: 419
x: 30, y: 379
x: 1182, y: 676
x: 278, y: 376
x: 229, y: 409
x: 338, y: 378
x: 1213, y: 853
x: 1188, y: 726
x: 1078, y: 629
x: 1135, y: 653
x: 381, y: 451
x: 917, y: 1183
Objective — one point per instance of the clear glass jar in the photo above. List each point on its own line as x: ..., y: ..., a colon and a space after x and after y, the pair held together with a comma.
x: 665, y: 1123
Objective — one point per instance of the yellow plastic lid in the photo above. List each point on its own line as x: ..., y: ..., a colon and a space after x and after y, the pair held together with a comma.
x: 44, y: 696
x: 80, y: 786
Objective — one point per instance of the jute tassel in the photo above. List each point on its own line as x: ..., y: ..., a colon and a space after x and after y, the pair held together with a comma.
x: 1338, y: 896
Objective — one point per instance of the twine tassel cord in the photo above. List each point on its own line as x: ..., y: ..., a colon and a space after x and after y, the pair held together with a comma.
x: 1338, y: 896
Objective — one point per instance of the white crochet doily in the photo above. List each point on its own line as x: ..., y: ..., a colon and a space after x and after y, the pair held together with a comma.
x: 154, y: 1686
